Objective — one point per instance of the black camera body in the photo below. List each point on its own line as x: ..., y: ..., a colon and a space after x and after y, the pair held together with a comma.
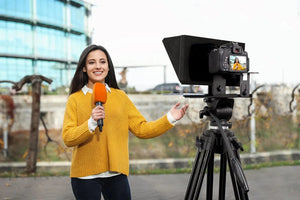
x: 212, y: 62
x: 222, y: 59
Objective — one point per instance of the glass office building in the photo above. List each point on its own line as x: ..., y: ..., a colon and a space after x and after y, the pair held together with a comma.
x: 43, y: 37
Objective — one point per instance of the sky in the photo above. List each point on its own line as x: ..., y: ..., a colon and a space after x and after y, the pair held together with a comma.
x: 132, y: 31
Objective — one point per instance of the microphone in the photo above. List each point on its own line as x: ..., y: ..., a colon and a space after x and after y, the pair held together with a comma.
x: 99, y: 97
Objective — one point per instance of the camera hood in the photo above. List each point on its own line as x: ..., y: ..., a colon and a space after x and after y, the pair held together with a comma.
x: 189, y: 56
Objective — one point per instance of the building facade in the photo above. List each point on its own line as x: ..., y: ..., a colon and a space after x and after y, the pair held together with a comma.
x: 43, y: 37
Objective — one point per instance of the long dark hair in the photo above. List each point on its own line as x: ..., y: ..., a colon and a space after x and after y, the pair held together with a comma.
x: 81, y: 78
x: 238, y: 60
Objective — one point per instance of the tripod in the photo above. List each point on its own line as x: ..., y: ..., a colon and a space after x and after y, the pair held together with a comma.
x: 217, y: 140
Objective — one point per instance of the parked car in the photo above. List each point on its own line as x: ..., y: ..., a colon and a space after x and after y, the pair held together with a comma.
x: 191, y: 89
x: 167, y: 88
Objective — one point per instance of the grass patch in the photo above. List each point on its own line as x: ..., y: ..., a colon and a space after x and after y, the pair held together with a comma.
x: 151, y: 171
x: 161, y: 171
x: 272, y: 164
x: 216, y: 169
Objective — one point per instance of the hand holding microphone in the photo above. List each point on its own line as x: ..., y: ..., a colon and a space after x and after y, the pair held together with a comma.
x: 99, y: 98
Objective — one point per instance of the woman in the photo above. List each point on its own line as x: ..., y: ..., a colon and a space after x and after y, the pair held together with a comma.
x: 100, y: 160
x: 237, y: 65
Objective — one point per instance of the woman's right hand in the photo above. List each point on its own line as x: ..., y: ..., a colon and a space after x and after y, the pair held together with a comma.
x: 98, y: 113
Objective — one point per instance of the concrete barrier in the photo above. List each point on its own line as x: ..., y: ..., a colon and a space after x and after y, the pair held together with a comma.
x: 151, y: 106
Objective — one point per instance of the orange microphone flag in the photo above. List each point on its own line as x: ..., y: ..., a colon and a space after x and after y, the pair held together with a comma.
x: 99, y: 93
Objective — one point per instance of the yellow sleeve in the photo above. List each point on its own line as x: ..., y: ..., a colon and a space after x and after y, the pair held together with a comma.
x: 73, y: 133
x: 141, y: 128
x: 234, y: 66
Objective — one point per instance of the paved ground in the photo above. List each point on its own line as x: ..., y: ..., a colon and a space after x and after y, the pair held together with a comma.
x: 275, y: 183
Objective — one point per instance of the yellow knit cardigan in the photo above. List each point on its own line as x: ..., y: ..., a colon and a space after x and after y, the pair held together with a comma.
x: 97, y: 152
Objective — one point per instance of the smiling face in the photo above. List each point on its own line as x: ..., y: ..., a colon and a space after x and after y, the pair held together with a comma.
x: 236, y: 60
x: 96, y: 67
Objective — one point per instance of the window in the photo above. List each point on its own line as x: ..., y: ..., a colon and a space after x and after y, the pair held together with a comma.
x: 14, y: 69
x: 16, y: 8
x: 16, y: 38
x: 77, y: 16
x: 52, y: 70
x: 78, y: 43
x: 3, y: 69
x: 50, y: 43
x: 51, y: 11
x: 3, y: 36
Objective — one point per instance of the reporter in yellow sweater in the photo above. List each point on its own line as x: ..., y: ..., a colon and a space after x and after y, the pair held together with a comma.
x: 100, y: 160
x: 237, y: 66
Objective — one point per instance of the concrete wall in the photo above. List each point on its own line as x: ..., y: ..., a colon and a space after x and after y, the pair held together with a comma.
x: 151, y: 106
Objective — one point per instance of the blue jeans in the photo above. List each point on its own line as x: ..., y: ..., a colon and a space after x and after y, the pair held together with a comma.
x: 112, y: 188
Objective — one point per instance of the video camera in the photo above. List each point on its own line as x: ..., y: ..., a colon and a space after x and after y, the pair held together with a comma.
x: 212, y: 62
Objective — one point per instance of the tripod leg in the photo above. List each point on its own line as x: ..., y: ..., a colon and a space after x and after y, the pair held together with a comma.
x: 199, y: 168
x: 239, y: 192
x: 236, y: 188
x: 222, y: 181
x: 202, y: 173
x: 195, y: 173
x: 210, y: 178
x: 197, y: 176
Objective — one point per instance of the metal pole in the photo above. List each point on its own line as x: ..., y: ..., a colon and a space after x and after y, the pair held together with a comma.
x: 5, y: 139
x: 252, y: 124
x: 252, y: 134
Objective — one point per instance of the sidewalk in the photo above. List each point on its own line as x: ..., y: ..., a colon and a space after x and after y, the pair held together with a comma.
x: 274, y: 183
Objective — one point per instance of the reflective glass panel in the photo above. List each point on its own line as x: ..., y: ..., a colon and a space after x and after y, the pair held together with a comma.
x: 16, y: 38
x: 77, y: 16
x: 15, y: 68
x: 50, y: 43
x: 52, y: 70
x: 51, y: 11
x: 78, y: 43
x: 16, y: 8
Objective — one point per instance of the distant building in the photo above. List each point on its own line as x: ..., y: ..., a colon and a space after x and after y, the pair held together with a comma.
x: 42, y: 37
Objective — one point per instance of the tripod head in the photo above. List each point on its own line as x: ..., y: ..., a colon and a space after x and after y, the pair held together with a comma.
x: 221, y: 108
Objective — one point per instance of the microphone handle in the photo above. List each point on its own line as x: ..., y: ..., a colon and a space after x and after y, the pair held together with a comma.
x: 99, y: 121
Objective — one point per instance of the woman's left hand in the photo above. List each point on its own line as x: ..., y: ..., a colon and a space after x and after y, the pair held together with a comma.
x: 177, y: 112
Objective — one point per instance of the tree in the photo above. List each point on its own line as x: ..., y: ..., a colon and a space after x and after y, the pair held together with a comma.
x: 36, y: 81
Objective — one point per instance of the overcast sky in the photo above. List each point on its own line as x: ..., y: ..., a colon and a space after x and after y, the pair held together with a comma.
x: 132, y: 31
